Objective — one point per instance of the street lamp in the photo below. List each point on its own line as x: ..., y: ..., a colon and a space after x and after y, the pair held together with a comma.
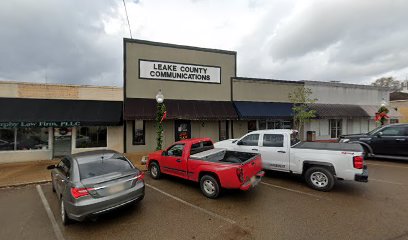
x: 383, y: 102
x: 159, y: 97
x: 160, y: 111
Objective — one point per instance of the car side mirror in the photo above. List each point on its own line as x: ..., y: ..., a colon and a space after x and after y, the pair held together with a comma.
x: 240, y: 143
x: 379, y: 134
x: 51, y: 167
x: 164, y: 153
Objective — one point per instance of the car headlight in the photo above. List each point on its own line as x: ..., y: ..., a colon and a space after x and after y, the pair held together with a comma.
x: 344, y: 140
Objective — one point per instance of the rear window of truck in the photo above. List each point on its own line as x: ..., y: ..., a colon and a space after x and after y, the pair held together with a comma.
x: 201, y: 147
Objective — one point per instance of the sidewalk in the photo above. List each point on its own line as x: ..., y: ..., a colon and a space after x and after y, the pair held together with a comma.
x: 24, y: 173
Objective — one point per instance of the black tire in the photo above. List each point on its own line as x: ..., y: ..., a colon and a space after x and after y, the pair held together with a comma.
x: 64, y: 216
x: 366, y: 152
x: 154, y: 170
x: 52, y: 184
x: 210, y: 186
x: 320, y: 178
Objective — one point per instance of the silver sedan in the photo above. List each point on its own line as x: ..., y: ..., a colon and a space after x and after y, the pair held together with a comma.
x: 94, y: 182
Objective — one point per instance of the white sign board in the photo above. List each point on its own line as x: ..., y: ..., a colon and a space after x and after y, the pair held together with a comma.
x: 179, y: 72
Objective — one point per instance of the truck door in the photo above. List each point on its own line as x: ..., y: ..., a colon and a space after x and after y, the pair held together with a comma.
x: 249, y: 143
x: 174, y: 162
x: 274, y: 151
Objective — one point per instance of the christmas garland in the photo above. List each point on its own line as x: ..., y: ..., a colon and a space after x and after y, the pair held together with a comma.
x: 160, y: 109
x: 381, y: 115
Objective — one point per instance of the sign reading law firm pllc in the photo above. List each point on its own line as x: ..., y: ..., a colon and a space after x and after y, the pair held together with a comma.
x: 179, y: 72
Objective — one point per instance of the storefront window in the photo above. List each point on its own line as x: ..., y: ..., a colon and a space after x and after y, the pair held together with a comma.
x: 139, y: 132
x: 91, y: 137
x: 7, y: 139
x: 252, y: 126
x: 27, y: 139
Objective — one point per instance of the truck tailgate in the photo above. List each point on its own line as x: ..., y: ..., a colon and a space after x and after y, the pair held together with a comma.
x: 252, y: 167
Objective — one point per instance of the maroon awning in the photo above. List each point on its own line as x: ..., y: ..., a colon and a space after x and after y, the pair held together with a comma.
x: 141, y: 108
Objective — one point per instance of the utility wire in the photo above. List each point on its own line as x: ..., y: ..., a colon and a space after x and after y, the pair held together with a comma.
x: 127, y: 17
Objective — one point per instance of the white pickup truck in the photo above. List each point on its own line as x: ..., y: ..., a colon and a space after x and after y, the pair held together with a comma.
x: 321, y: 164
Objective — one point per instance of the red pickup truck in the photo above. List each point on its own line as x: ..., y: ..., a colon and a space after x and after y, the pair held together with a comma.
x: 197, y: 160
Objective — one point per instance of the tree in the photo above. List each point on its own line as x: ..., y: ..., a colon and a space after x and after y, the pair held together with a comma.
x: 160, y: 109
x: 300, y: 97
x: 389, y: 82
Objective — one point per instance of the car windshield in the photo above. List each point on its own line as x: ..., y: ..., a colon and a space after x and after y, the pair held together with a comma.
x: 101, y: 166
x: 375, y: 130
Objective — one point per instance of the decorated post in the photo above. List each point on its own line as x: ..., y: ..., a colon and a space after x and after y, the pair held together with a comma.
x: 160, y: 117
x: 381, y: 116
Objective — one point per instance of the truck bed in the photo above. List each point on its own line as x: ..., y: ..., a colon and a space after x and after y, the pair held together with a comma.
x: 223, y: 155
x: 352, y: 147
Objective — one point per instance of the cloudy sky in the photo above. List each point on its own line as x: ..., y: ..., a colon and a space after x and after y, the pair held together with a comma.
x: 80, y: 41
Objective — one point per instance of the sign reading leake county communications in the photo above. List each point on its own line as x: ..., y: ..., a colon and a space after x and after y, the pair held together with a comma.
x: 179, y: 72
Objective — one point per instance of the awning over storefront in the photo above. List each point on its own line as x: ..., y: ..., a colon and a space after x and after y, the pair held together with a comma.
x: 263, y: 110
x: 338, y: 110
x: 20, y: 112
x: 372, y: 110
x: 140, y: 108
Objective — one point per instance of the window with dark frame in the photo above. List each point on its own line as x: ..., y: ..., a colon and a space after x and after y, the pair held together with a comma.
x: 223, y: 127
x: 139, y: 132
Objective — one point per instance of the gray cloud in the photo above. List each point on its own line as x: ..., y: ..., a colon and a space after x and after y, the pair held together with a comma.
x: 59, y: 41
x: 349, y: 41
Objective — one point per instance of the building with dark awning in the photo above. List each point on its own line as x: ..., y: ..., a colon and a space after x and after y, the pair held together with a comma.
x: 338, y: 110
x: 145, y: 109
x: 43, y: 121
x: 263, y: 110
x: 59, y: 113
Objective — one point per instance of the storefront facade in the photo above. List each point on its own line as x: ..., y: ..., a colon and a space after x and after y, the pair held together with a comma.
x: 262, y: 104
x: 40, y: 122
x: 195, y: 82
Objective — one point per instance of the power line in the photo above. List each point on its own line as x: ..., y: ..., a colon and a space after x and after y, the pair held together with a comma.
x: 127, y: 17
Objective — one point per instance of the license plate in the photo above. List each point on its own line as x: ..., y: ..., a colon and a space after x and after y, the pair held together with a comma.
x: 253, y: 180
x: 116, y: 188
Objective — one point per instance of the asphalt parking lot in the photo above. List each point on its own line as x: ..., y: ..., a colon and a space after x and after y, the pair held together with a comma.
x: 280, y: 207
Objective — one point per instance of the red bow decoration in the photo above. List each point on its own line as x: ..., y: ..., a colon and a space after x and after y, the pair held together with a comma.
x: 380, y: 116
x: 164, y: 116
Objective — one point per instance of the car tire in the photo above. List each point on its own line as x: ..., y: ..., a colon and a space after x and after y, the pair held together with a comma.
x: 154, y: 170
x: 320, y: 178
x: 210, y: 186
x: 52, y: 184
x: 64, y: 217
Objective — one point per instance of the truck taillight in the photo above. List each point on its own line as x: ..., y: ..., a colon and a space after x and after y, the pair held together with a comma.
x: 240, y: 174
x: 358, y: 162
x: 80, y: 192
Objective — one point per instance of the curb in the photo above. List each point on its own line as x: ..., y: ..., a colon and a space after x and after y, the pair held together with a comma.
x: 25, y: 184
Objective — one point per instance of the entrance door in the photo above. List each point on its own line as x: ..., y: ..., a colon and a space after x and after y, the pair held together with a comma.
x: 62, y: 141
x: 182, y: 129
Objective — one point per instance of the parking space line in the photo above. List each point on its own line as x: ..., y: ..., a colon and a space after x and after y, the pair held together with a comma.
x: 54, y: 223
x: 192, y: 205
x: 385, y: 181
x: 296, y: 191
x: 386, y: 165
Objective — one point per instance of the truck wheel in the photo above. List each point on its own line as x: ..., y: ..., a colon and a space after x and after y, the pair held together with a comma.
x: 320, y: 179
x: 210, y: 186
x: 154, y: 170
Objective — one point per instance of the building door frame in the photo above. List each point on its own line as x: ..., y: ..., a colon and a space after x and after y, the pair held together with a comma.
x: 182, y: 129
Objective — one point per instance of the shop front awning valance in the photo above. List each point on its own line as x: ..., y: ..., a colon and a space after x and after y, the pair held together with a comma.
x: 145, y: 109
x: 372, y: 110
x: 23, y: 112
x: 338, y: 110
x: 263, y: 110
